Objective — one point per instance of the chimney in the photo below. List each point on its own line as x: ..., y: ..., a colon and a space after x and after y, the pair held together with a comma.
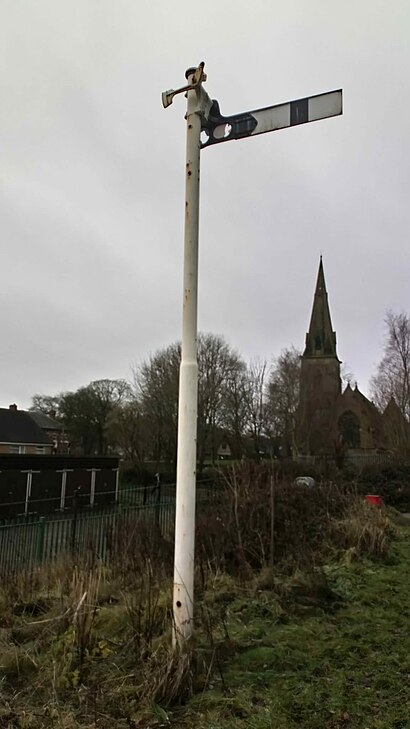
x: 52, y: 414
x: 13, y: 406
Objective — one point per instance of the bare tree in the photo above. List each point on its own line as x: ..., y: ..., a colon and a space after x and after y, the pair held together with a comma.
x: 127, y: 431
x: 47, y: 404
x: 392, y: 378
x: 283, y: 389
x: 218, y: 364
x: 156, y: 389
x: 235, y: 407
x: 156, y: 382
x: 346, y: 375
x: 255, y: 397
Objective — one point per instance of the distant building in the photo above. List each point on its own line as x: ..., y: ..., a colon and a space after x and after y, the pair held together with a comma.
x: 21, y: 435
x: 329, y: 421
x: 37, y: 473
x: 53, y: 429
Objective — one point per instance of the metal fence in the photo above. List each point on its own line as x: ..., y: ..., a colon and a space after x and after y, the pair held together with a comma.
x: 29, y: 540
x: 43, y: 484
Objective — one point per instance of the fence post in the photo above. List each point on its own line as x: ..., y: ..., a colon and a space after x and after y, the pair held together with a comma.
x: 74, y: 520
x: 157, y: 507
x: 41, y: 530
x: 272, y: 518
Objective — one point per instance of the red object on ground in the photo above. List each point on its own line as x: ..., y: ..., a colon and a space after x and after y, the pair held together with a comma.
x: 373, y: 499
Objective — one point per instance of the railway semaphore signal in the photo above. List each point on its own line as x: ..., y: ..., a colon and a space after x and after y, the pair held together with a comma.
x: 206, y: 126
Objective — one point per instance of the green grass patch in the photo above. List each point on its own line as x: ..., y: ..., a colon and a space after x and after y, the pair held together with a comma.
x: 347, y: 667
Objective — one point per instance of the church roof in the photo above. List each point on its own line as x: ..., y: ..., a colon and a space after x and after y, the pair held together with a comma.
x: 355, y: 394
x: 320, y: 339
x: 392, y: 412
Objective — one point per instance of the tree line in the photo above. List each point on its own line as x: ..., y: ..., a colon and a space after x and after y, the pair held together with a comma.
x: 248, y: 406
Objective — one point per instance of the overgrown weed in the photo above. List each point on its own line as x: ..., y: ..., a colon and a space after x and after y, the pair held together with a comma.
x: 258, y: 521
x: 92, y: 642
x: 364, y: 528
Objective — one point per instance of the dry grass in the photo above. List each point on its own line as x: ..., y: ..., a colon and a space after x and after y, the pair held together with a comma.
x: 84, y: 644
x: 365, y: 529
x: 92, y: 643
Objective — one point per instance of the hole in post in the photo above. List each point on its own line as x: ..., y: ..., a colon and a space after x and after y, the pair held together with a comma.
x: 179, y: 603
x: 222, y: 131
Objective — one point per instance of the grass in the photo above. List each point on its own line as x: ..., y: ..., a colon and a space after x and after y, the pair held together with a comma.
x: 323, y: 647
x: 341, y: 665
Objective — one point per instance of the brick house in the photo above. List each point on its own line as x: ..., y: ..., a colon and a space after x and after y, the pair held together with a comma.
x: 21, y: 435
x: 53, y: 429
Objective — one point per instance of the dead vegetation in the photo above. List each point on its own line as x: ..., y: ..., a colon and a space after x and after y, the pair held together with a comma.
x: 92, y: 643
x: 258, y: 520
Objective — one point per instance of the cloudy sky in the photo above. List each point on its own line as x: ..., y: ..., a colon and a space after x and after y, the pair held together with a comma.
x: 92, y: 181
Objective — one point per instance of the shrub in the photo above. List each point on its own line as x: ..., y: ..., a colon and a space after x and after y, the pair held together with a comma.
x: 259, y: 518
x: 391, y: 481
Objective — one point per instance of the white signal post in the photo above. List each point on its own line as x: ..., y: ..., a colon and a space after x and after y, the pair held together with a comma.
x: 203, y: 115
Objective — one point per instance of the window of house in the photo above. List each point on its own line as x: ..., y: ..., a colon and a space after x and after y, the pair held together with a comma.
x: 17, y: 449
x: 40, y: 450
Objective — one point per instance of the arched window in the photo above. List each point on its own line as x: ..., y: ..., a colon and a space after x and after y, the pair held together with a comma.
x: 349, y: 429
x: 318, y: 342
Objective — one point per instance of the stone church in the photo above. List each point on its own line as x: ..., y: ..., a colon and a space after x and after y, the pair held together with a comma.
x: 330, y: 421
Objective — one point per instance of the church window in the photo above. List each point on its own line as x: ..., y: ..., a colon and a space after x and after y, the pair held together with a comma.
x: 318, y: 343
x: 349, y: 428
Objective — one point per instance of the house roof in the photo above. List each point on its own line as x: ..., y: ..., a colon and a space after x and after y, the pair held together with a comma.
x: 44, y: 421
x: 17, y: 426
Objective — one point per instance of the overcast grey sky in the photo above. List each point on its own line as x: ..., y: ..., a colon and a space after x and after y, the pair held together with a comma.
x: 92, y: 181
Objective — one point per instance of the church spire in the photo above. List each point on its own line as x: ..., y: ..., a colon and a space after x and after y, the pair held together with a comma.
x: 320, y: 339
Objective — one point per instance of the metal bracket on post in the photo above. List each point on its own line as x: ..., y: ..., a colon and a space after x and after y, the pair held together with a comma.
x: 219, y: 128
x: 197, y: 79
x: 204, y: 103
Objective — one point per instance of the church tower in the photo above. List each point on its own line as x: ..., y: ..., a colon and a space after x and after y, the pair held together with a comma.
x: 320, y: 384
